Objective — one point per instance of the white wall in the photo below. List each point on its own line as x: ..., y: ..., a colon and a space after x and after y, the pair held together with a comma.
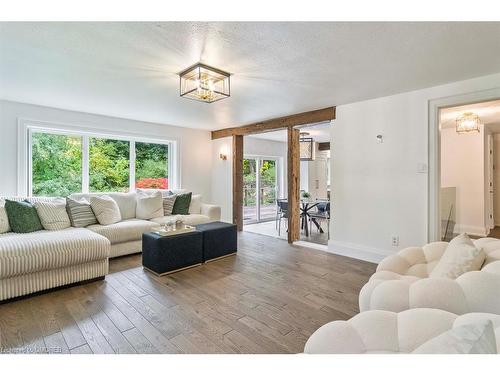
x: 496, y: 179
x: 195, y: 145
x: 463, y: 167
x: 222, y: 178
x: 377, y: 189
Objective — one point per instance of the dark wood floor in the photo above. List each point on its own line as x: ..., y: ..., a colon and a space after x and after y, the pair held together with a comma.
x: 267, y: 299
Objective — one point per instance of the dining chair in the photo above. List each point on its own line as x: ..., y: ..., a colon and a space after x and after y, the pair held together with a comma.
x: 321, y: 214
x: 282, y: 213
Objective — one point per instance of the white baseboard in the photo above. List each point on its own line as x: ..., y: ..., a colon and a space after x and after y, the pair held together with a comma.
x: 369, y: 254
x: 469, y: 229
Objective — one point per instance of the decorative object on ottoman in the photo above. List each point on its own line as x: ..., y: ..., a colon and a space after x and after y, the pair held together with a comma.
x: 23, y: 217
x: 166, y: 254
x: 219, y: 240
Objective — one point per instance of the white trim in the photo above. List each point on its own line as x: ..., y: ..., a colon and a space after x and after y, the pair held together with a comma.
x: 131, y: 170
x: 27, y: 126
x: 366, y: 253
x: 312, y: 245
x: 433, y: 222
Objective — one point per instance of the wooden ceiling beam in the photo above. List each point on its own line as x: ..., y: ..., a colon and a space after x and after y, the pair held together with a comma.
x: 304, y: 118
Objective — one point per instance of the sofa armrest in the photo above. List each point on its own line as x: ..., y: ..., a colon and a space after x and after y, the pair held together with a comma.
x: 211, y: 210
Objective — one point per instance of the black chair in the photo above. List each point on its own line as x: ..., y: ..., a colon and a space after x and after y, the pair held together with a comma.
x: 322, y: 213
x: 281, y: 213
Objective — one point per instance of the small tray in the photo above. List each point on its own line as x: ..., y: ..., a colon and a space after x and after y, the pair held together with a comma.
x: 174, y: 231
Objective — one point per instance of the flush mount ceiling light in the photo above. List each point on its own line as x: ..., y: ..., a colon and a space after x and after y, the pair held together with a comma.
x: 204, y: 83
x: 306, y: 147
x: 468, y: 122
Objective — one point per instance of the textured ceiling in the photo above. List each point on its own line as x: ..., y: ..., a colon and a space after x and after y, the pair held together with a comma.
x: 130, y: 69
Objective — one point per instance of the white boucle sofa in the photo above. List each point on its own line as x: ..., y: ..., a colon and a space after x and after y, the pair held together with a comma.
x: 401, y: 307
x: 401, y: 282
x: 387, y: 332
x: 42, y: 260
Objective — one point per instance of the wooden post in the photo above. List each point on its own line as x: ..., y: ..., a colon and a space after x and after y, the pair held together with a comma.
x: 238, y: 181
x: 293, y: 185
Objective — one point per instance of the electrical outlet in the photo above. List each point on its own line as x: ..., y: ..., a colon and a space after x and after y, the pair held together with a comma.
x: 395, y: 240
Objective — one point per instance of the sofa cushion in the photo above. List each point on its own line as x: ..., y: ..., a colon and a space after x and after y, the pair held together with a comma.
x: 181, y: 205
x: 126, y: 202
x: 23, y: 217
x: 53, y: 215
x: 478, y: 338
x: 168, y: 205
x: 460, y: 256
x: 188, y: 219
x: 43, y: 250
x: 149, y: 206
x: 195, y: 205
x: 105, y: 209
x: 123, y: 231
x: 4, y: 220
x: 80, y: 213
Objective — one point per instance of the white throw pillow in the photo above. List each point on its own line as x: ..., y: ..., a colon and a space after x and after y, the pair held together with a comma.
x: 460, y: 256
x: 149, y: 206
x: 467, y: 339
x: 195, y: 205
x: 4, y: 220
x: 105, y: 209
x: 53, y: 215
x: 168, y: 204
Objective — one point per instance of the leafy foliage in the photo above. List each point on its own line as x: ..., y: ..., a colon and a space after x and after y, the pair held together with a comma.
x: 57, y: 165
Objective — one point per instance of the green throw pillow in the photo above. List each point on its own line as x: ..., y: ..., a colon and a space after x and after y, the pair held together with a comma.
x: 181, y: 205
x: 23, y: 217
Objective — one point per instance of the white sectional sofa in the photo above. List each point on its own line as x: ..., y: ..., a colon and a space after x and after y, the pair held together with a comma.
x: 402, y: 307
x: 46, y: 259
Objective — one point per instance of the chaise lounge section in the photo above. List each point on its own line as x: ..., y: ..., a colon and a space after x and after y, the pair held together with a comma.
x: 45, y: 259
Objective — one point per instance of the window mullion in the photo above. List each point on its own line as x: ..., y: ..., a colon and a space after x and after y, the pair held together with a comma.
x: 132, y: 166
x: 85, y: 164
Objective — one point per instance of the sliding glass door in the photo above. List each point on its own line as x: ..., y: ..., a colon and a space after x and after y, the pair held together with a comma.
x: 260, y: 188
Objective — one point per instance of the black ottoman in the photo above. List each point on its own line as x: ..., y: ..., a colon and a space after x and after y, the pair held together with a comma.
x: 167, y: 254
x: 219, y: 240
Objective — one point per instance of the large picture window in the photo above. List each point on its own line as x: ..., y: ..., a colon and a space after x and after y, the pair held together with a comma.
x: 61, y: 163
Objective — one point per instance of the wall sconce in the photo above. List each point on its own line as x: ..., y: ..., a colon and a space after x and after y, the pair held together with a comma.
x: 222, y: 156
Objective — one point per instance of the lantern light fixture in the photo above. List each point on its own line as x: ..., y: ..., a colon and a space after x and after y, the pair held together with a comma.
x: 306, y: 145
x: 204, y: 83
x: 468, y: 122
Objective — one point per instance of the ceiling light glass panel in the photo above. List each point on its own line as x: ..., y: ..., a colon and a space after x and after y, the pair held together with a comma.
x: 468, y: 122
x: 204, y: 83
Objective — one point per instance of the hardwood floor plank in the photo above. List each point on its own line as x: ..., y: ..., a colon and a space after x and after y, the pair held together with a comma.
x: 95, y: 339
x: 269, y: 298
x: 139, y: 342
x: 56, y: 344
x: 84, y: 349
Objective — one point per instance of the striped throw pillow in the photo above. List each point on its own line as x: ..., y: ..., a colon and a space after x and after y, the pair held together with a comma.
x: 80, y: 213
x: 4, y: 219
x: 105, y: 209
x: 168, y: 204
x: 53, y: 215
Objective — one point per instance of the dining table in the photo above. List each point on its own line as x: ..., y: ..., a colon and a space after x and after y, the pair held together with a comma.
x: 306, y: 205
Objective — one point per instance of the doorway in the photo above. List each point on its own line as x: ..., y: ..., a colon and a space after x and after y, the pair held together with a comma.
x: 469, y: 161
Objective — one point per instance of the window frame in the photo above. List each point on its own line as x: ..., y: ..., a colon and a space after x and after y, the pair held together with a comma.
x: 29, y: 127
